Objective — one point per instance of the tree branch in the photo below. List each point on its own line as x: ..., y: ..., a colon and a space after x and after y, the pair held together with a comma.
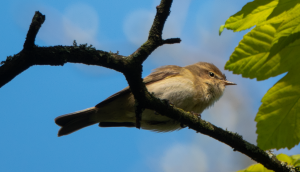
x: 58, y: 55
x: 172, y: 41
x: 131, y: 67
x: 37, y: 21
x: 233, y: 140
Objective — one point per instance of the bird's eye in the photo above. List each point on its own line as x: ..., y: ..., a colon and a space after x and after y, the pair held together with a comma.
x: 211, y: 74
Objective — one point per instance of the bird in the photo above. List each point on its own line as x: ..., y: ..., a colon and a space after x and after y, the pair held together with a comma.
x: 192, y: 88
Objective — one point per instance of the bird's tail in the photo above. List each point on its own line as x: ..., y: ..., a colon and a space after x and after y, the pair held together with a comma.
x: 74, y: 121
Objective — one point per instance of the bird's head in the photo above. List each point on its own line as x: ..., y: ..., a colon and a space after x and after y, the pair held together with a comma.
x: 211, y: 80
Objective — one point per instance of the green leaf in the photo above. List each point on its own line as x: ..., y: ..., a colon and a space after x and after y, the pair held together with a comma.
x: 255, y: 57
x: 252, y: 52
x: 255, y: 168
x: 251, y: 14
x: 267, y: 50
x: 285, y: 158
x: 296, y: 160
x: 289, y: 30
x: 221, y: 29
x: 278, y: 118
x: 282, y: 43
x: 260, y: 12
x: 270, y: 49
x: 291, y: 160
x: 282, y: 8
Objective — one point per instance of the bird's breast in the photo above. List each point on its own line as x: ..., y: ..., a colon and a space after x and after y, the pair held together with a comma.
x: 179, y: 91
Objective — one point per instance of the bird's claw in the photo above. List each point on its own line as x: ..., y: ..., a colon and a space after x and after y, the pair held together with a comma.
x: 196, y: 114
x: 182, y: 125
x: 166, y: 101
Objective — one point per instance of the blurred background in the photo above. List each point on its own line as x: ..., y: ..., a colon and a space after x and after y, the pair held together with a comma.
x: 31, y: 101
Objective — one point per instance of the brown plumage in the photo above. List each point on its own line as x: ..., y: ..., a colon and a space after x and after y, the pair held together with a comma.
x: 192, y: 88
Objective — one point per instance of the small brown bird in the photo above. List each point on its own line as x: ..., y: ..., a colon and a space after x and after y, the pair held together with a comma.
x: 191, y: 88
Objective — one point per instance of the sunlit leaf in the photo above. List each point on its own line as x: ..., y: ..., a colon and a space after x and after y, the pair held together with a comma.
x: 270, y: 49
x: 260, y: 12
x: 282, y: 43
x: 255, y: 168
x: 252, y: 59
x: 285, y: 158
x: 282, y: 8
x: 278, y: 118
x: 290, y: 160
x: 252, y: 52
x: 251, y: 14
x: 221, y: 29
x: 296, y: 160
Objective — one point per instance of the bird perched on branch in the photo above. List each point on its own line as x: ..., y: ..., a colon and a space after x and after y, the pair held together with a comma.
x: 191, y: 88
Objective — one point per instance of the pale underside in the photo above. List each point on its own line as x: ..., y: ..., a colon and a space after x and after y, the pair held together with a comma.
x: 178, y: 90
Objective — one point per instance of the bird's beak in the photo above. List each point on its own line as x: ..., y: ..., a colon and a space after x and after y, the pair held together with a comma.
x: 229, y: 83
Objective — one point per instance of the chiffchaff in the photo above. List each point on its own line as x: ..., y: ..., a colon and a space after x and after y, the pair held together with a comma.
x: 191, y: 88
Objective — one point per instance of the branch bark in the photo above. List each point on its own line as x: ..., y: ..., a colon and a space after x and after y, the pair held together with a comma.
x: 131, y: 67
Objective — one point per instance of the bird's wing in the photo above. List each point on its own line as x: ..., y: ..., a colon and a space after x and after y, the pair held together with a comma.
x: 113, y: 97
x: 157, y: 75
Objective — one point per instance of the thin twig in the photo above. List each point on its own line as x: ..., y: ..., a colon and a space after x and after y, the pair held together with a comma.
x: 37, y: 21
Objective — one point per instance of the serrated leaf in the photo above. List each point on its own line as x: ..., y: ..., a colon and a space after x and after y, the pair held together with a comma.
x: 261, y: 12
x: 283, y: 6
x: 270, y: 49
x: 278, y: 118
x: 252, y: 52
x: 257, y: 56
x: 282, y: 43
x: 251, y: 14
x: 289, y: 24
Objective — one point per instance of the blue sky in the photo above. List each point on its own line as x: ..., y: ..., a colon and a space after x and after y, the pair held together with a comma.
x: 31, y: 101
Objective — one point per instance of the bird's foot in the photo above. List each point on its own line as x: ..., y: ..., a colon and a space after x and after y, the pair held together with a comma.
x: 196, y: 114
x: 138, y: 123
x: 138, y: 116
x: 182, y: 125
x: 166, y: 101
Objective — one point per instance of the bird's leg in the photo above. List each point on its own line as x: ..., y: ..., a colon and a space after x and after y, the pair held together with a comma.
x: 182, y: 125
x: 138, y: 115
x: 193, y: 113
x: 196, y: 114
x: 166, y: 101
x: 138, y: 121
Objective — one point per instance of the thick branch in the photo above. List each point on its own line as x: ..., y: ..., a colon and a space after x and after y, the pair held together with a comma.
x: 58, y: 55
x: 133, y: 73
x: 146, y: 100
x: 233, y: 140
x: 131, y: 67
